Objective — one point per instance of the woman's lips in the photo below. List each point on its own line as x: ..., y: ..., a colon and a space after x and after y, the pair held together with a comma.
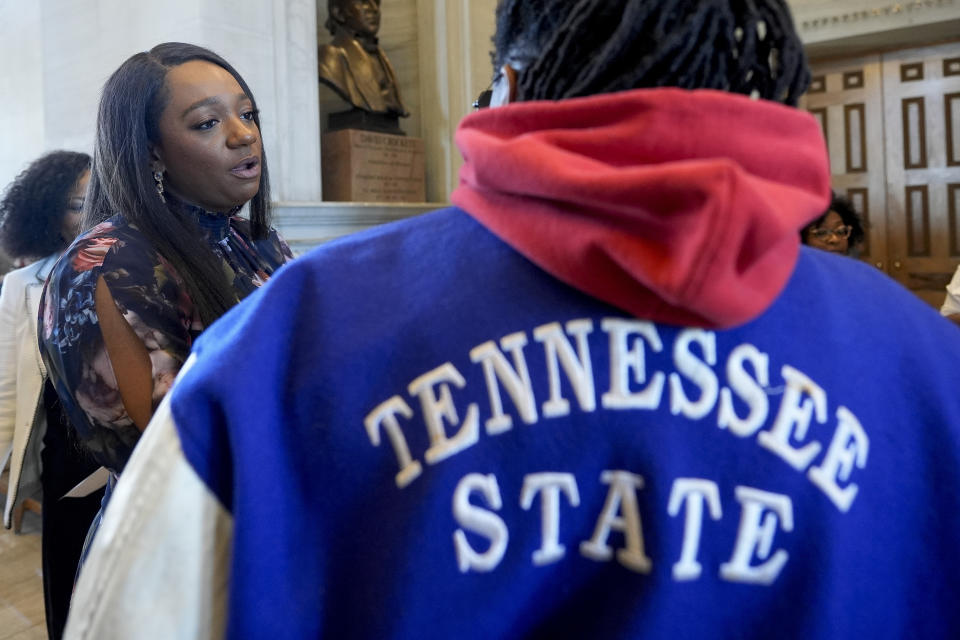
x: 249, y: 168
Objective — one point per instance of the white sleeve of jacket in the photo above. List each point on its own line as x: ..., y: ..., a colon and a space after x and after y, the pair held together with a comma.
x: 10, y: 295
x: 951, y: 303
x: 160, y: 562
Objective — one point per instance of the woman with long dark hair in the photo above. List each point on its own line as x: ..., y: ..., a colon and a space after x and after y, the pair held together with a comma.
x: 39, y: 217
x: 177, y: 154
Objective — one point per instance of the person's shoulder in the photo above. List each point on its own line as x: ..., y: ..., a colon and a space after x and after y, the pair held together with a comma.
x: 331, y: 60
x: 368, y: 261
x: 446, y: 220
x: 414, y: 238
x: 89, y: 251
x: 20, y: 278
x: 329, y: 51
x: 851, y: 276
x: 113, y: 247
x: 853, y: 289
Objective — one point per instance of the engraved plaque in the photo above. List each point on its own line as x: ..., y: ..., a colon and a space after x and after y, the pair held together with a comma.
x: 366, y: 166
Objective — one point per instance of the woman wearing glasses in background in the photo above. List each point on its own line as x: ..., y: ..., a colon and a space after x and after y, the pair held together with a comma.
x: 838, y: 230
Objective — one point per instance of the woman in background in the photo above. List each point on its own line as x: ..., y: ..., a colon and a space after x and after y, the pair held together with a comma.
x: 951, y: 303
x: 837, y: 230
x: 177, y: 154
x: 39, y: 217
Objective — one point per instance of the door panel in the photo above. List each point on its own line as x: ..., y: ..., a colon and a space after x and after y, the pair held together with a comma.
x: 892, y: 124
x: 921, y: 95
x: 846, y: 97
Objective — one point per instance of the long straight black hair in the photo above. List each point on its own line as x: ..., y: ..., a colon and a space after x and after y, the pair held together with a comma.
x: 121, y: 180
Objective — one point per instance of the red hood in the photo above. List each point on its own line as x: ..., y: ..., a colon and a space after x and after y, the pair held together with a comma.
x: 677, y: 206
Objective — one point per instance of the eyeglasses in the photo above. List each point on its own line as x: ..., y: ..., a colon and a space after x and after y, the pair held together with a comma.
x: 826, y: 234
x: 483, y: 100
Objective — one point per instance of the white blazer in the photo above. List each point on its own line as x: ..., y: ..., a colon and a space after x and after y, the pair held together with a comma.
x: 22, y: 374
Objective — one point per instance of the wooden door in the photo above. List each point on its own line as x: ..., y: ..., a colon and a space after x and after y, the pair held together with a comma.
x: 846, y: 97
x: 921, y: 95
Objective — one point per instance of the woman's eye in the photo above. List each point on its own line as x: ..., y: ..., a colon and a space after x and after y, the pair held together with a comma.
x: 248, y: 115
x: 206, y: 124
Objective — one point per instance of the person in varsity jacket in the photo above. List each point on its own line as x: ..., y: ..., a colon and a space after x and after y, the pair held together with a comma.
x: 605, y: 395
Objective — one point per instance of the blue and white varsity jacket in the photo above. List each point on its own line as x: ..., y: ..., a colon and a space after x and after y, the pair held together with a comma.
x: 484, y: 453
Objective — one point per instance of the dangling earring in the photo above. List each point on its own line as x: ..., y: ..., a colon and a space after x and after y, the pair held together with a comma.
x: 158, y: 179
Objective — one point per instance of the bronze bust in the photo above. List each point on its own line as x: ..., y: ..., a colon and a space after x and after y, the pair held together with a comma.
x: 355, y: 66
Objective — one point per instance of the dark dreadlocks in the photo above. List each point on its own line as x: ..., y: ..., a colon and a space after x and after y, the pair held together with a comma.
x: 569, y: 48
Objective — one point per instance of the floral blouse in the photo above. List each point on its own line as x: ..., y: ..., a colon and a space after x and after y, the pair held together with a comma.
x: 151, y: 296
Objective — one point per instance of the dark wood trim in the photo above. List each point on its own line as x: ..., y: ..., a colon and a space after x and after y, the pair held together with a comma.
x: 864, y: 211
x: 915, y: 250
x: 951, y: 67
x: 911, y: 72
x: 953, y: 217
x: 848, y: 110
x: 818, y: 84
x: 928, y: 281
x: 953, y: 145
x: 922, y: 127
x: 853, y: 80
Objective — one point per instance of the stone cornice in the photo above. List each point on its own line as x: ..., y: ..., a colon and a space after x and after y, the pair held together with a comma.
x: 845, y: 16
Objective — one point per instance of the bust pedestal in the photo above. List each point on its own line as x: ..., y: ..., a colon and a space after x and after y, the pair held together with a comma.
x: 369, y: 166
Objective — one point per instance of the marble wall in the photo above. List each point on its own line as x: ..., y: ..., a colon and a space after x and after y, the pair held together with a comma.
x: 21, y: 87
x: 56, y: 55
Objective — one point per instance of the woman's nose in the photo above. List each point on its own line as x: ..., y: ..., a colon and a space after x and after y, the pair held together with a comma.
x: 242, y: 133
